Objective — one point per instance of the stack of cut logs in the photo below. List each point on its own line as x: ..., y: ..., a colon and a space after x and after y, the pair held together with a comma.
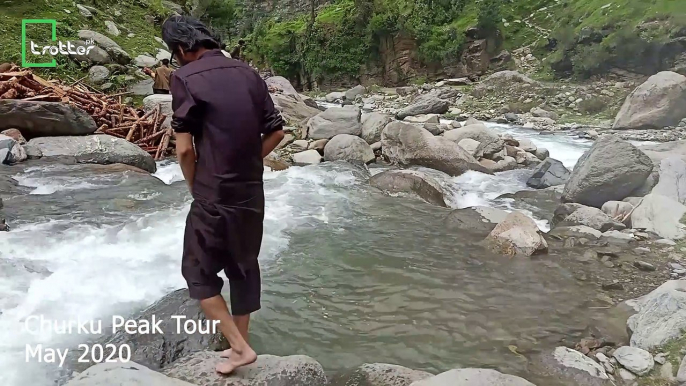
x: 111, y: 115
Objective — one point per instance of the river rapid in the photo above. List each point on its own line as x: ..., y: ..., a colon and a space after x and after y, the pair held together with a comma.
x: 350, y: 275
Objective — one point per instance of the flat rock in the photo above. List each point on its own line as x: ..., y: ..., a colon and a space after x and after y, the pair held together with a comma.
x: 634, y: 359
x: 425, y: 104
x: 478, y: 220
x: 572, y: 366
x: 123, y: 374
x: 412, y: 182
x: 473, y: 377
x: 307, y: 157
x: 42, y: 119
x: 335, y: 121
x: 592, y: 217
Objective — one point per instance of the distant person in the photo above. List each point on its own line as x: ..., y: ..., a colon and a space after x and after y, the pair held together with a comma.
x: 237, y: 52
x: 225, y: 124
x: 162, y: 77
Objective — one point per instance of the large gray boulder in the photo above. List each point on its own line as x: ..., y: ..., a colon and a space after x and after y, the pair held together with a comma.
x: 283, y: 85
x: 593, y: 218
x: 550, y: 172
x: 293, y: 110
x: 345, y: 147
x: 672, y: 179
x: 425, y: 104
x: 44, y: 119
x: 490, y: 141
x: 660, y: 317
x: 478, y: 221
x: 268, y: 370
x: 382, y: 374
x: 609, y: 171
x: 406, y: 144
x: 123, y: 374
x: 334, y: 121
x: 660, y: 151
x: 372, y: 125
x: 659, y: 102
x: 113, y: 49
x: 95, y: 149
x: 473, y: 377
x: 410, y: 182
x: 351, y: 94
x: 661, y: 215
x: 517, y: 235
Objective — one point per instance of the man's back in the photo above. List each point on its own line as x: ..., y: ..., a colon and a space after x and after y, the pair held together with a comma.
x: 162, y: 78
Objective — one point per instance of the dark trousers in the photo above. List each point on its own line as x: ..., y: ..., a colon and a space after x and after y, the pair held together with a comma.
x: 159, y: 91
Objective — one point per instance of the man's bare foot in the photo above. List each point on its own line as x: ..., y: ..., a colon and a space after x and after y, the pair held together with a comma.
x: 236, y: 360
x: 225, y: 353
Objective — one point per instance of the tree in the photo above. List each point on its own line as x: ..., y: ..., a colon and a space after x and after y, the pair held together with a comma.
x: 489, y: 17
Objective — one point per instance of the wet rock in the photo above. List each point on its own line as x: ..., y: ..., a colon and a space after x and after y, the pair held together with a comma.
x: 372, y: 125
x: 517, y: 235
x: 473, y: 377
x: 334, y: 96
x: 405, y: 144
x: 275, y: 163
x: 592, y: 217
x: 634, y: 359
x: 490, y: 141
x: 571, y: 366
x: 550, y: 172
x: 299, y: 370
x: 96, y: 149
x: 657, y: 103
x: 672, y: 179
x: 660, y: 215
x: 335, y: 121
x: 425, y: 104
x: 98, y: 74
x: 410, y: 181
x: 609, y: 171
x: 308, y: 157
x: 381, y: 374
x: 41, y: 119
x: 129, y: 374
x: 353, y: 93
x: 660, y: 317
x: 345, y: 147
x: 479, y: 220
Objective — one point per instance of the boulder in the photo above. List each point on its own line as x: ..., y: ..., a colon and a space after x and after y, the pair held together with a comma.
x: 660, y: 151
x: 381, y: 374
x: 550, y: 172
x: 526, y: 159
x: 308, y: 157
x: 507, y: 163
x: 41, y: 119
x: 423, y: 118
x: 541, y: 113
x: 634, y: 359
x: 112, y: 28
x: 473, y: 377
x: 660, y: 317
x: 283, y: 85
x: 318, y: 145
x: 434, y: 128
x: 659, y: 102
x: 144, y: 61
x: 11, y: 151
x: 123, y: 374
x: 661, y: 215
x: 470, y: 145
x: 108, y: 45
x: 490, y: 141
x: 84, y: 11
x: 672, y: 179
x: 411, y: 182
x: 562, y: 212
x: 334, y: 96
x: 301, y: 145
x: 165, y: 102
x: 94, y: 55
x: 592, y: 217
x: 15, y: 135
x: 526, y: 145
x: 478, y: 221
x: 335, y: 121
x: 95, y: 149
x: 405, y: 144
x: 295, y: 370
x: 517, y: 235
x: 353, y: 93
x: 542, y: 153
x: 372, y: 125
x: 295, y: 112
x: 163, y: 54
x: 346, y: 147
x: 579, y: 231
x: 425, y: 104
x: 572, y: 367
x: 98, y: 74
x: 609, y: 171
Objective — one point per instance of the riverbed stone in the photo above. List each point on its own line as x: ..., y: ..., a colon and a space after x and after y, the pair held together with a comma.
x: 660, y: 215
x: 478, y: 220
x: 660, y: 317
x: 470, y: 145
x: 123, y: 374
x: 406, y: 144
x: 517, y: 235
x: 372, y: 125
x: 199, y: 368
x: 609, y: 171
x: 542, y: 153
x: 634, y: 359
x: 572, y: 366
x: 98, y: 74
x: 381, y: 374
x: 307, y: 157
x: 42, y: 119
x: 423, y: 118
x: 334, y: 96
x: 672, y: 179
x: 550, y: 172
x: 354, y: 92
x: 335, y: 121
x: 165, y: 102
x: 410, y: 181
x: 294, y: 111
x: 425, y: 104
x: 473, y: 377
x: 592, y: 217
x: 345, y: 147
x: 490, y: 142
x: 283, y: 86
x: 657, y: 103
x: 11, y: 151
x: 96, y: 149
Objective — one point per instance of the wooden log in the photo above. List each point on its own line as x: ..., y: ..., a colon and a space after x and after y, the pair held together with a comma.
x: 163, y: 144
x: 151, y: 137
x: 129, y: 136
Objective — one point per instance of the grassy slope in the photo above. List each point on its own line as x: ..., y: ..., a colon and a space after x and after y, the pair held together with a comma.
x: 132, y: 20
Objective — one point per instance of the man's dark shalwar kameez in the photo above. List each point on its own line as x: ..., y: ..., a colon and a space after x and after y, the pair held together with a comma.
x: 226, y: 106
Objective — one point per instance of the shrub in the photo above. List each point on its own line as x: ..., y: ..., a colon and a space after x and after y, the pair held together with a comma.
x: 592, y: 106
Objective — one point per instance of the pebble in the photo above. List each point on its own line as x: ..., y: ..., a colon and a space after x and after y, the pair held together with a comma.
x: 642, y: 250
x: 643, y: 266
x: 613, y: 286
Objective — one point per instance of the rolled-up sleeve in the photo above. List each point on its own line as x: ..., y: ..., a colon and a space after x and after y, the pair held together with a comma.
x: 185, y: 117
x: 272, y: 120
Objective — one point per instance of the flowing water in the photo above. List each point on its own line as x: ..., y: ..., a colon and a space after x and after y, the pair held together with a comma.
x: 350, y: 275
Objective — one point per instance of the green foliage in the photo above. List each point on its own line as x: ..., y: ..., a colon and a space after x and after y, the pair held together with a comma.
x: 489, y: 17
x: 592, y: 106
x: 590, y: 60
x: 220, y: 15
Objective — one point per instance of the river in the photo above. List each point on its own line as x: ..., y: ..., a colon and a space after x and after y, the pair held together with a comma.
x: 350, y: 275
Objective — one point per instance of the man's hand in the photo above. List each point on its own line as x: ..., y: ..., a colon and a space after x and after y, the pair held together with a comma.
x: 185, y: 152
x: 270, y: 141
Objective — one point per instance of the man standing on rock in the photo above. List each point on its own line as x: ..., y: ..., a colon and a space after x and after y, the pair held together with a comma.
x: 162, y: 77
x: 225, y: 124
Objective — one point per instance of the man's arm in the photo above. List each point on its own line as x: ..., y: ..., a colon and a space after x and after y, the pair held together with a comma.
x: 185, y: 152
x: 272, y: 124
x: 270, y: 141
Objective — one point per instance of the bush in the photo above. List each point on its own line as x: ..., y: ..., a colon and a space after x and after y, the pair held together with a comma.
x: 592, y: 106
x: 489, y: 17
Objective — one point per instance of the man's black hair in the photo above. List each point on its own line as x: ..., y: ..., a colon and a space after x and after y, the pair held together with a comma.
x: 165, y: 62
x: 241, y: 42
x: 188, y: 33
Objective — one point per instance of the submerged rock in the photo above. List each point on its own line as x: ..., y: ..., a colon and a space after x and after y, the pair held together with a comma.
x: 381, y: 374
x: 473, y: 377
x: 295, y: 370
x: 335, y: 121
x: 410, y: 181
x: 345, y: 147
x: 129, y: 374
x: 550, y: 172
x: 44, y: 119
x: 517, y: 235
x: 659, y: 102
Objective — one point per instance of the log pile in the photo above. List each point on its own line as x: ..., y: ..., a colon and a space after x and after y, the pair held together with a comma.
x: 111, y: 115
